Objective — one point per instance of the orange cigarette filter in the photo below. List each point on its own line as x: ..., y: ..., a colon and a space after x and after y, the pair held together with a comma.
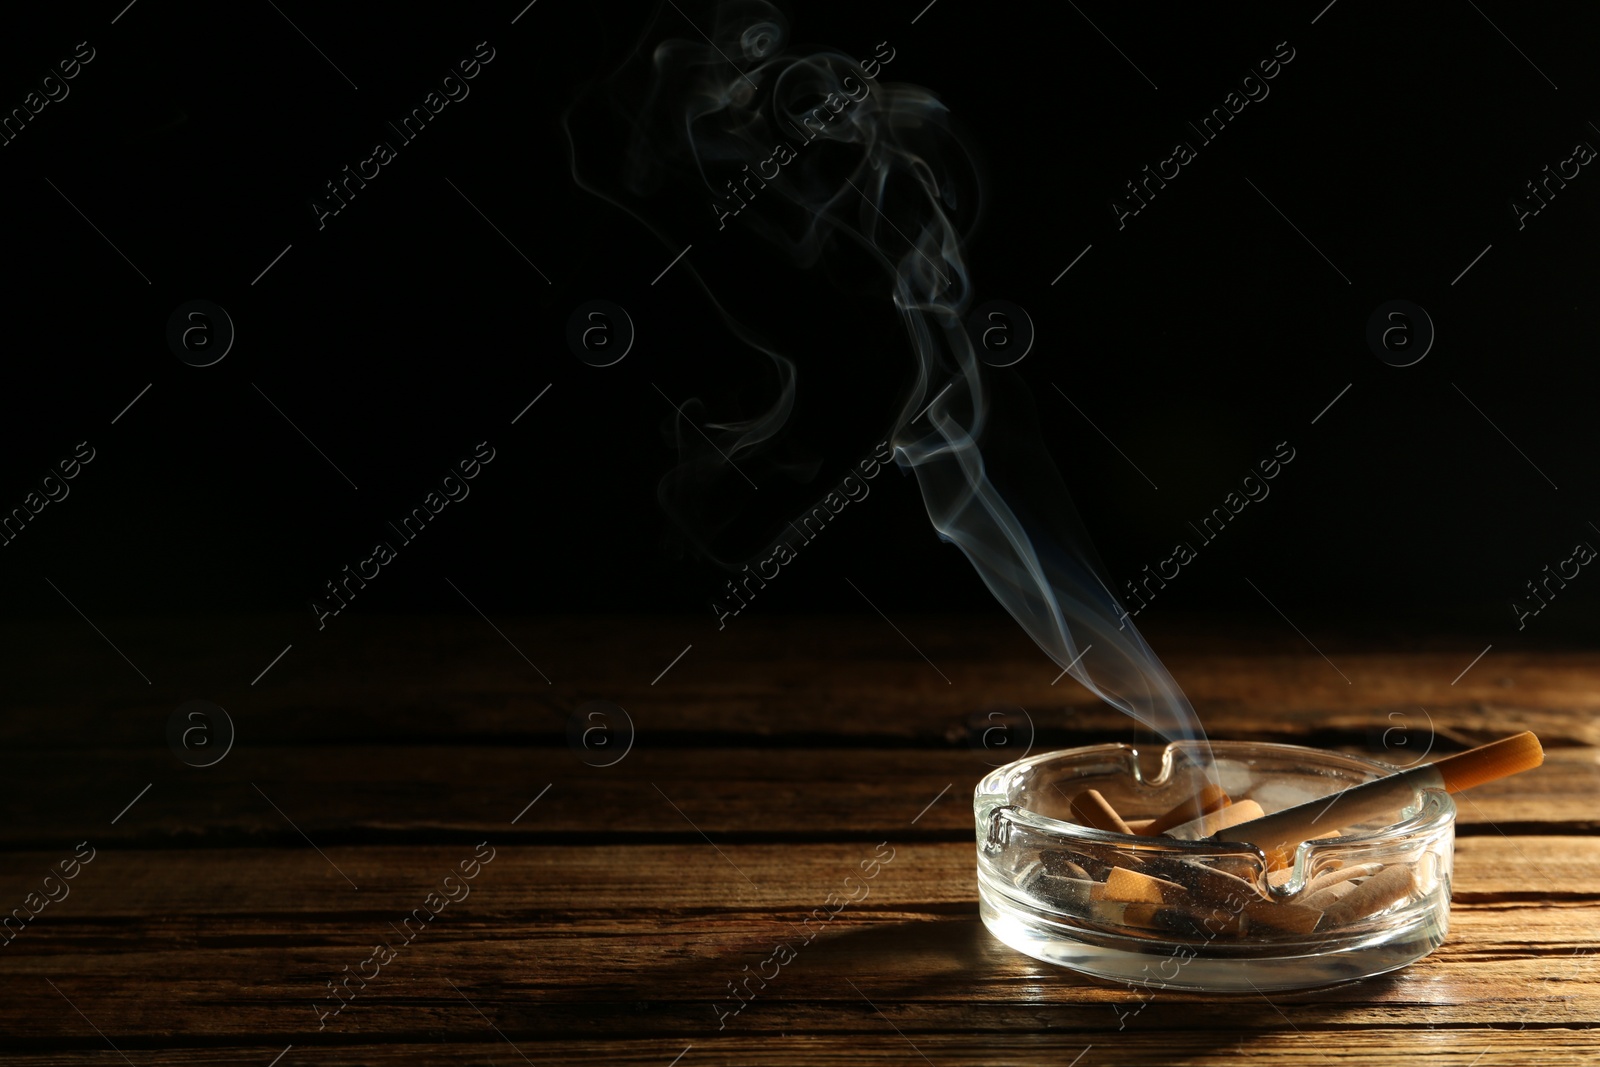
x: 1132, y: 886
x: 1491, y: 762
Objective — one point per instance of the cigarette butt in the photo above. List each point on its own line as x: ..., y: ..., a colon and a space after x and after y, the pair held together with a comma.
x: 1208, y: 800
x: 1092, y: 809
x: 1325, y: 897
x: 1139, y: 826
x: 1209, y: 884
x: 1336, y: 872
x: 1282, y: 859
x: 1218, y: 902
x: 1374, y: 894
x: 1059, y: 891
x: 1278, y: 876
x: 1192, y: 922
x: 1204, y: 923
x: 1061, y: 863
x: 1222, y: 921
x: 1343, y: 874
x: 1205, y: 883
x: 1294, y: 918
x: 1131, y: 886
x: 1125, y: 913
x: 1221, y: 819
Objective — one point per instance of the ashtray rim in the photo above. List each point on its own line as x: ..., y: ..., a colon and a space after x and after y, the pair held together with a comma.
x: 1435, y: 810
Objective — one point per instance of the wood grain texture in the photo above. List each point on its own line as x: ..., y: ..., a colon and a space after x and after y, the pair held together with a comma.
x: 413, y: 792
x: 768, y: 764
x: 557, y: 939
x: 1557, y: 1047
x: 453, y: 679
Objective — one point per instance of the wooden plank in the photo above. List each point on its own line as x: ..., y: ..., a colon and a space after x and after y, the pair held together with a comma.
x: 562, y: 940
x: 687, y: 879
x: 428, y: 679
x: 1547, y: 984
x: 339, y: 795
x: 931, y: 975
x: 1351, y: 1048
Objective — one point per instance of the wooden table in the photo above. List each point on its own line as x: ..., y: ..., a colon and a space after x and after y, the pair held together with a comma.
x: 618, y: 903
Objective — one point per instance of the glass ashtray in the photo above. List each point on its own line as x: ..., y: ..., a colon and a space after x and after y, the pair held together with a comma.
x: 1209, y: 915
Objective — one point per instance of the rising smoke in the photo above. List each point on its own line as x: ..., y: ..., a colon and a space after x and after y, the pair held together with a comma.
x: 816, y: 153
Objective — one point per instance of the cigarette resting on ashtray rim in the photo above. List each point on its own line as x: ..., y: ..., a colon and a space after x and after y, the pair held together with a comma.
x: 1280, y: 833
x: 1174, y: 894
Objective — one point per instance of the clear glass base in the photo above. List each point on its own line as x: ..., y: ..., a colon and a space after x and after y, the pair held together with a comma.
x: 1255, y: 968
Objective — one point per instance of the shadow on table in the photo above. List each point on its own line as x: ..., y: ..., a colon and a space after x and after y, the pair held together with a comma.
x: 953, y: 972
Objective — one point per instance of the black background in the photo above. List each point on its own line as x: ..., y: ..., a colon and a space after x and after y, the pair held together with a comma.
x: 407, y: 330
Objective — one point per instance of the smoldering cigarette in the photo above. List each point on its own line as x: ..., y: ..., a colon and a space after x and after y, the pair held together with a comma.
x: 1216, y: 821
x: 1281, y: 833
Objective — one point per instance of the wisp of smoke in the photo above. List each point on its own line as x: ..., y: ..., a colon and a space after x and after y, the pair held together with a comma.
x: 811, y: 150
